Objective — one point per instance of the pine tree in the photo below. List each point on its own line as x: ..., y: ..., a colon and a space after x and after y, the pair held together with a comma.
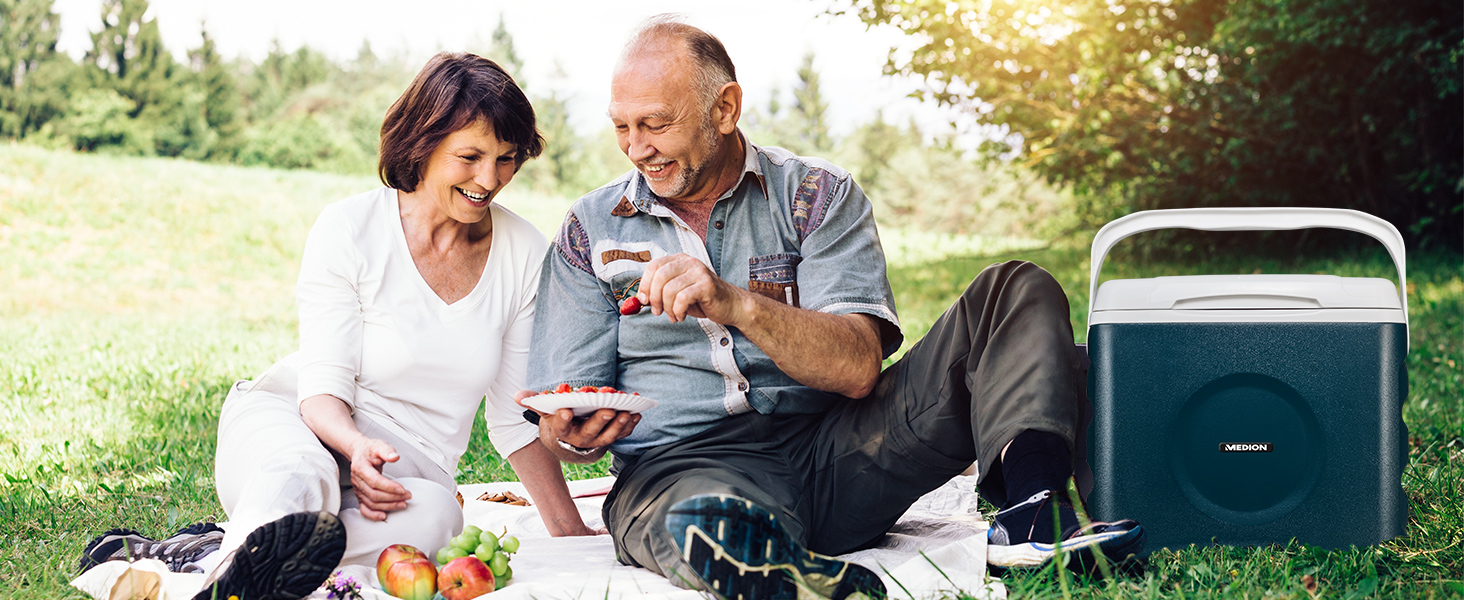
x: 809, y: 107
x: 220, y: 92
x: 128, y: 55
x: 875, y: 144
x: 28, y: 32
x: 504, y: 53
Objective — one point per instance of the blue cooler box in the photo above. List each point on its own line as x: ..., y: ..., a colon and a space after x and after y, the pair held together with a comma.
x: 1249, y: 409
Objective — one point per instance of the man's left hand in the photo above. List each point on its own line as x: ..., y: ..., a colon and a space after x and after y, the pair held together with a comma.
x: 596, y: 431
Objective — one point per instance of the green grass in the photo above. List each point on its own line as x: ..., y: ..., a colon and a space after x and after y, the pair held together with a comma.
x: 133, y: 292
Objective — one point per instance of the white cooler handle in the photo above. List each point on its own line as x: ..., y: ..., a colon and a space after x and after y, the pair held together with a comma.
x: 1248, y: 219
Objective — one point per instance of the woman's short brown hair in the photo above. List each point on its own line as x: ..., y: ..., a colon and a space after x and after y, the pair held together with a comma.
x: 453, y: 91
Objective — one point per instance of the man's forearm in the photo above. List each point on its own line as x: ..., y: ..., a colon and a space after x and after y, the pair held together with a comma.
x: 833, y: 353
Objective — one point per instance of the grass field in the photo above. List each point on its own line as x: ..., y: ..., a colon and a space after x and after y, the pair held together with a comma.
x: 134, y: 291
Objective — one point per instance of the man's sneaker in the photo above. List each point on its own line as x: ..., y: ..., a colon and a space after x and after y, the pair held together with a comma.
x: 180, y: 551
x: 1119, y: 542
x: 738, y: 551
x: 285, y: 559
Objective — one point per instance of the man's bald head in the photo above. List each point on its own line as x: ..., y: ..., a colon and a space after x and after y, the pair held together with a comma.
x: 711, y: 68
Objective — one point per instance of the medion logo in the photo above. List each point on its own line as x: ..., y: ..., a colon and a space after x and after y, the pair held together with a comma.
x: 1262, y: 447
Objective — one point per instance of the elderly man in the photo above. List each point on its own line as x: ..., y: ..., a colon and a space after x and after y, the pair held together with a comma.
x: 777, y: 437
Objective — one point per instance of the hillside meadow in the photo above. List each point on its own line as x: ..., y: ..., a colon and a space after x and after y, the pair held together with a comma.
x: 134, y: 291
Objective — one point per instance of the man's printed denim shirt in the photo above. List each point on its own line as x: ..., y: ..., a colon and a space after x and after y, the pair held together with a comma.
x: 795, y: 229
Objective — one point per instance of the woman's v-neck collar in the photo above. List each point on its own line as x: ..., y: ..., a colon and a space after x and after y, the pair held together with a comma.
x: 473, y: 298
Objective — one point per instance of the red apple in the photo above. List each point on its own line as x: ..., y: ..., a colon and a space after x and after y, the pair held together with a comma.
x: 464, y: 579
x: 411, y: 579
x: 393, y: 554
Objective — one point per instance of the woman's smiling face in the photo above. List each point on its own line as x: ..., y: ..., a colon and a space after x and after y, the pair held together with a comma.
x: 466, y: 170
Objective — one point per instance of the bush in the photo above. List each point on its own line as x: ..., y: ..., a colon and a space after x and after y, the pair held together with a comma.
x: 98, y: 120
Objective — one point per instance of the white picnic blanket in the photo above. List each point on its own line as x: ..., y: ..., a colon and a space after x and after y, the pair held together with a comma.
x: 939, y: 545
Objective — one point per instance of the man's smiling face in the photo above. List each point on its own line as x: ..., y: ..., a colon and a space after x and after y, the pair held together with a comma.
x: 661, y: 123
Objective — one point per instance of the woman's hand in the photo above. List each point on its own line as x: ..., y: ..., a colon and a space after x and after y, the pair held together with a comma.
x: 378, y: 493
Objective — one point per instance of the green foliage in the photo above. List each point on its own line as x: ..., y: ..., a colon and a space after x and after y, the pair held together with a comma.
x: 915, y: 179
x: 221, y: 107
x: 809, y: 108
x: 932, y: 185
x: 167, y: 115
x: 504, y: 52
x: 269, y: 87
x: 303, y: 111
x: 803, y: 128
x: 101, y: 118
x: 1140, y: 105
x: 128, y: 56
x: 28, y: 32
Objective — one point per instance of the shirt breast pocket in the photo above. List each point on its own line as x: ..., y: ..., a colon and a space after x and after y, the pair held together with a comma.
x: 775, y: 276
x: 624, y: 285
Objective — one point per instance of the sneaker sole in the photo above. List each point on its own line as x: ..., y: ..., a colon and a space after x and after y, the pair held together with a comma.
x: 1117, y: 547
x: 738, y: 551
x: 285, y: 559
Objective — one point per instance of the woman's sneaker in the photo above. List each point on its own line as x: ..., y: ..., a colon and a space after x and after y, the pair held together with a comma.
x: 179, y: 551
x: 738, y: 551
x: 1118, y: 542
x: 285, y: 559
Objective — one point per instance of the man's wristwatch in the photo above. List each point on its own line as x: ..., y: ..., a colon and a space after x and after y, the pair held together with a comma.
x: 576, y: 449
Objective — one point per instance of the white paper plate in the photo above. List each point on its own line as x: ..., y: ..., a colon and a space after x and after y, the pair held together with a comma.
x: 584, y: 403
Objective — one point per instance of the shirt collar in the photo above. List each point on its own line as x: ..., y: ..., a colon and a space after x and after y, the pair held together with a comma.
x: 639, y: 196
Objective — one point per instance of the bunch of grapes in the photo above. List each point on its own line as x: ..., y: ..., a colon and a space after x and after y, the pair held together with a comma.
x: 493, y: 550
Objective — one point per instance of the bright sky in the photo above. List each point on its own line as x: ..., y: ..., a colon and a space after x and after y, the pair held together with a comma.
x: 766, y: 39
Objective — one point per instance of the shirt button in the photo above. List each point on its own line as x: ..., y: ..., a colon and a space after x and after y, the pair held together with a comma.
x: 718, y: 224
x: 742, y: 387
x: 724, y: 341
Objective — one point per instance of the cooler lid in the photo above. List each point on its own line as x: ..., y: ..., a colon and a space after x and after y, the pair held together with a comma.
x: 1247, y: 292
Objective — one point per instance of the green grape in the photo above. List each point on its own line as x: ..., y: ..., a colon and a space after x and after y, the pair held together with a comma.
x: 472, y: 531
x: 484, y: 553
x: 507, y: 575
x: 465, y: 543
x: 444, y: 555
x: 498, y: 564
x: 487, y: 538
x: 454, y: 554
x: 509, y: 544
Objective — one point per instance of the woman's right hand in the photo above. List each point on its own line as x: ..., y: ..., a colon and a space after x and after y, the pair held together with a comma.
x: 378, y: 493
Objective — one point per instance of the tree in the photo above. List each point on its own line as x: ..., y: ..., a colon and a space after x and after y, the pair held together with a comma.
x: 220, y: 96
x: 128, y: 55
x: 561, y: 167
x: 876, y: 143
x: 504, y: 53
x: 269, y: 86
x: 809, y: 108
x: 28, y: 32
x: 1140, y: 105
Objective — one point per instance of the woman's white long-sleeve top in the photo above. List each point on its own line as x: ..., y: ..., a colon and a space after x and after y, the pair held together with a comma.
x: 375, y: 335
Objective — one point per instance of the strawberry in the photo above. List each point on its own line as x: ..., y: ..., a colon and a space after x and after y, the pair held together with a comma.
x: 630, y: 306
x: 563, y: 388
x: 605, y: 389
x: 588, y: 389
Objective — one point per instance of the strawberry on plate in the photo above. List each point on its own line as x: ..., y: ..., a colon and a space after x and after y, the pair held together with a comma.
x: 587, y: 399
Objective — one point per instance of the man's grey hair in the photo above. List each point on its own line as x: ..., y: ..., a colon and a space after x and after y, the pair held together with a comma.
x: 713, y: 68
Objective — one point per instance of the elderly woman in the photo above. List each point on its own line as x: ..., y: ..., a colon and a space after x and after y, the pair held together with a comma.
x: 416, y: 300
